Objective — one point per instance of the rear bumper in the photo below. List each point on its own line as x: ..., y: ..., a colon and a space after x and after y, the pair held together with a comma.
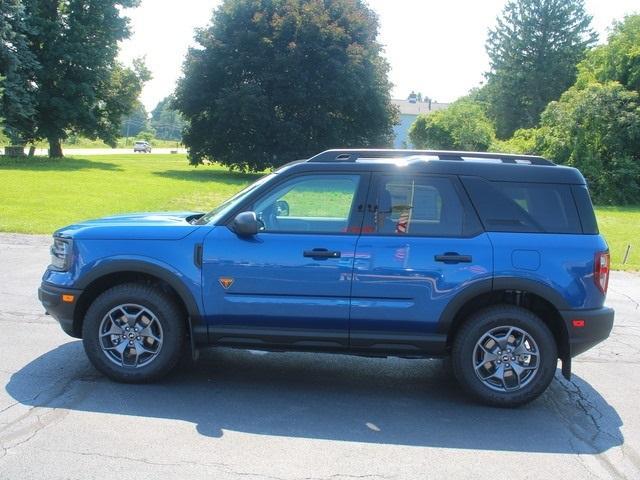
x: 64, y: 312
x: 597, y: 325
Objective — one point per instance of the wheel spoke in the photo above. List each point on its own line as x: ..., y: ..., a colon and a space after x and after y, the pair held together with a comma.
x: 131, y: 319
x: 483, y: 373
x: 521, y: 368
x: 501, y: 341
x: 118, y: 316
x: 517, y: 375
x: 142, y: 315
x: 140, y: 348
x: 120, y: 348
x: 139, y: 351
x: 487, y: 356
x: 498, y: 374
x: 147, y: 332
x: 522, y: 349
x: 114, y: 330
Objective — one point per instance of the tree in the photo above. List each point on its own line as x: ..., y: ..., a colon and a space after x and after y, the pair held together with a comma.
x: 148, y: 134
x: 618, y: 60
x: 462, y: 126
x: 81, y: 88
x: 18, y: 67
x: 523, y: 141
x: 533, y: 50
x: 597, y: 129
x: 136, y: 122
x: 276, y: 80
x: 595, y: 125
x: 166, y: 120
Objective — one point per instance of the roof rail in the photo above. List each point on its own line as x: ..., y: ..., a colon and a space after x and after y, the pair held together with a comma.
x: 349, y: 155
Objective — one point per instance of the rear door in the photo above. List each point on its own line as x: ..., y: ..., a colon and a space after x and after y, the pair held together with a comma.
x: 421, y: 246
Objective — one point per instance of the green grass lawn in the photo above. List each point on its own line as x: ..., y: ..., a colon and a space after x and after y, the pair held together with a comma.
x: 39, y: 195
x: 621, y: 227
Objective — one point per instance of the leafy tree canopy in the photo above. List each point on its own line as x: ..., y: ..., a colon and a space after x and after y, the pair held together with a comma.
x: 80, y: 88
x: 18, y: 67
x: 533, y: 51
x: 618, y: 59
x: 597, y: 129
x: 462, y: 126
x: 595, y: 125
x: 166, y: 120
x: 136, y: 122
x: 276, y: 80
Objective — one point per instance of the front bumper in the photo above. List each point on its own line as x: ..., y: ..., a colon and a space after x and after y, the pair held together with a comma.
x: 587, y: 328
x: 51, y: 298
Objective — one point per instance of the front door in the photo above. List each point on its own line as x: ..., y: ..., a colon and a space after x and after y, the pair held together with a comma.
x: 288, y: 285
x: 420, y: 247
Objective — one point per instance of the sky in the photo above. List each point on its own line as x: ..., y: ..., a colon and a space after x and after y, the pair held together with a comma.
x: 435, y: 47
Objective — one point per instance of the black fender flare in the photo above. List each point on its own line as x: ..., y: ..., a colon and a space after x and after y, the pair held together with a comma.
x: 198, y: 332
x: 469, y: 292
x: 534, y: 286
x: 498, y: 283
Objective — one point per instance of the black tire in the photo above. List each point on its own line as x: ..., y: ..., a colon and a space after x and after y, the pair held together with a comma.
x: 472, y: 331
x: 167, y: 313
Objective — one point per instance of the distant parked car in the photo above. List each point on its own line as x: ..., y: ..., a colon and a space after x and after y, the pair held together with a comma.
x: 142, y: 146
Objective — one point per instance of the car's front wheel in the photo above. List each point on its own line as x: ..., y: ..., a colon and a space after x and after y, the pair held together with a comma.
x: 133, y: 333
x: 504, y: 355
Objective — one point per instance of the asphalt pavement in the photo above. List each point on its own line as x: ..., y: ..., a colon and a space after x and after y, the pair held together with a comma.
x: 71, y: 152
x: 285, y: 416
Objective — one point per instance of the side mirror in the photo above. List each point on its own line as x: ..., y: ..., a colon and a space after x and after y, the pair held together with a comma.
x: 282, y: 208
x: 245, y: 224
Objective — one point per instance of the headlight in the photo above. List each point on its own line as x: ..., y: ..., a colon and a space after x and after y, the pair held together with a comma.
x: 61, y: 256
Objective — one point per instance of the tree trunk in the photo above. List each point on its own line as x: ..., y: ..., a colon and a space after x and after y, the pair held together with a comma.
x: 55, y: 148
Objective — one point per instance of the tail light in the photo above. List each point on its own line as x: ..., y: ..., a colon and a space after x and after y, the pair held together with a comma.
x: 601, y: 271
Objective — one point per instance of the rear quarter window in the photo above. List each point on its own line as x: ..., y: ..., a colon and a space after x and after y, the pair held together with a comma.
x: 524, y: 207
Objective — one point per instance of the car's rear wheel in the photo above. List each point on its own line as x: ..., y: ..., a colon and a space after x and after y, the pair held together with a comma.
x: 504, y: 355
x: 134, y: 333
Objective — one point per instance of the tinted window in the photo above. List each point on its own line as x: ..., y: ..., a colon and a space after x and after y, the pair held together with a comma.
x: 309, y: 203
x: 524, y: 207
x: 585, y: 209
x: 421, y: 206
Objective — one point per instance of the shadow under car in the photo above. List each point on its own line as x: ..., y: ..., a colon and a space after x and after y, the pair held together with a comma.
x: 334, y: 397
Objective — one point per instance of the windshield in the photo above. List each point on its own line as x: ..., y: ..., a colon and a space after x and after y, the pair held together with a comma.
x: 222, y: 209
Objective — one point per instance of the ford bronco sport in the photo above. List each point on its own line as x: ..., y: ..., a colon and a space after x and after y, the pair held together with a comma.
x: 490, y: 259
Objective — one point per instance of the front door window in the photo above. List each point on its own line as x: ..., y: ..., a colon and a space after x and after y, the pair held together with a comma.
x: 309, y: 204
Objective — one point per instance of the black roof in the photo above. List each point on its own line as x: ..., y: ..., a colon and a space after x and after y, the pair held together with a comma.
x: 492, y: 166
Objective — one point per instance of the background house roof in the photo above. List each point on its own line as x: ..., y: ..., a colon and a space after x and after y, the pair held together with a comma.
x: 415, y: 108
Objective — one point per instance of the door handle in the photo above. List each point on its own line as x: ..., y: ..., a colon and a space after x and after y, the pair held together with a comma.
x: 322, y: 253
x: 453, y: 257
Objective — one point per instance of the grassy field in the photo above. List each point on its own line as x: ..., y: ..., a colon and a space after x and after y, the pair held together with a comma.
x: 39, y: 195
x: 621, y: 227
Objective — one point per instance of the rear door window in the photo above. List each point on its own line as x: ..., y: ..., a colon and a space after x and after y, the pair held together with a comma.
x: 426, y: 206
x: 524, y: 207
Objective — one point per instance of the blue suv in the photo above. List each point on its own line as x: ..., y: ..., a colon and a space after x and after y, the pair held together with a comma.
x: 491, y: 260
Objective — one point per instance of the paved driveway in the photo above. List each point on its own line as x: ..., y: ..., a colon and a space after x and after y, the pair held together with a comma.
x: 299, y: 416
x: 70, y: 152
